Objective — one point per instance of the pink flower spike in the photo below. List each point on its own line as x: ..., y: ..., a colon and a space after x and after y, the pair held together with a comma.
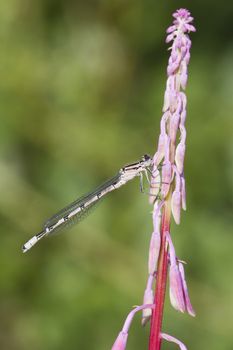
x: 189, y: 307
x: 173, y: 340
x: 120, y: 342
x: 172, y: 190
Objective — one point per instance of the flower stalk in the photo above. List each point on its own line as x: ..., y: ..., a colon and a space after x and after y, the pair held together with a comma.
x: 170, y: 198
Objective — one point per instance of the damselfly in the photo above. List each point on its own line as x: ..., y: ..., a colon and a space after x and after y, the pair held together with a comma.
x: 77, y: 209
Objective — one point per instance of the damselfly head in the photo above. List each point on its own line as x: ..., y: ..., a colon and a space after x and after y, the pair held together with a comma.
x: 146, y: 157
x: 146, y: 161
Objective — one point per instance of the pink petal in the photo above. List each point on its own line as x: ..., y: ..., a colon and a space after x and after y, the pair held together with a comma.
x: 161, y: 147
x: 183, y: 76
x: 189, y: 307
x: 148, y: 299
x: 120, y: 342
x: 166, y: 101
x: 191, y: 28
x: 154, y: 253
x: 171, y: 29
x: 179, y: 157
x: 183, y: 193
x: 172, y: 253
x: 176, y: 206
x: 176, y: 289
x: 173, y: 340
x: 166, y: 178
x: 169, y: 38
x: 154, y: 185
x: 174, y: 123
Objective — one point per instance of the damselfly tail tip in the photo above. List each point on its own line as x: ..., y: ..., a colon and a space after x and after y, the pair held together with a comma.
x: 29, y: 244
x: 24, y: 248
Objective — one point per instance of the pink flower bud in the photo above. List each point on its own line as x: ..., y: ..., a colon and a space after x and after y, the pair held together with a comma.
x: 176, y: 289
x: 157, y: 216
x: 171, y: 29
x: 183, y: 76
x: 183, y: 117
x: 188, y: 304
x: 154, y: 253
x: 176, y: 206
x: 121, y: 341
x: 161, y: 149
x: 174, y: 123
x: 172, y: 67
x: 183, y: 193
x: 173, y: 340
x: 179, y: 157
x: 148, y: 299
x: 172, y: 253
x: 166, y: 101
x: 190, y: 28
x: 154, y: 185
x: 166, y: 178
x: 173, y: 97
x: 169, y: 38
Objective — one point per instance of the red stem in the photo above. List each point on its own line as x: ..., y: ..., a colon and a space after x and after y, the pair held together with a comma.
x: 161, y: 281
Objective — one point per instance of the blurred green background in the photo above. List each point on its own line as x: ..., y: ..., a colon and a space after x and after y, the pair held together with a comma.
x: 81, y: 92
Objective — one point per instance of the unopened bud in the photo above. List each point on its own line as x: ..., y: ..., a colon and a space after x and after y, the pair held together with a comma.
x: 148, y: 299
x: 176, y: 289
x: 121, y: 341
x: 179, y: 157
x: 188, y: 304
x: 183, y: 193
x: 166, y: 178
x: 154, y: 252
x: 174, y: 124
x: 176, y: 206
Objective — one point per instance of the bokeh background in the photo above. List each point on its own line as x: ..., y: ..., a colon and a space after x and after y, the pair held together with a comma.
x: 81, y: 92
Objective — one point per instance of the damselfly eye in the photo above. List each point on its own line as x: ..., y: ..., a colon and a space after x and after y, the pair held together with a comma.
x: 146, y: 157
